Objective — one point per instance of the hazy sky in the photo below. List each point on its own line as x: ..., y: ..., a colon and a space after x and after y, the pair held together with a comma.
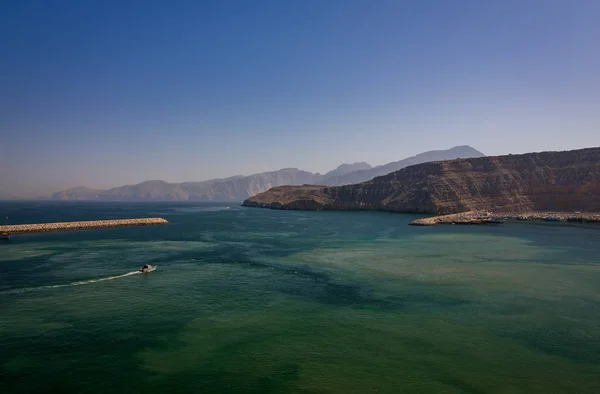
x: 103, y: 93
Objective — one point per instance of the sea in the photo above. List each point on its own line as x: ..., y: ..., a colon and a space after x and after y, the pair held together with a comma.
x: 247, y: 300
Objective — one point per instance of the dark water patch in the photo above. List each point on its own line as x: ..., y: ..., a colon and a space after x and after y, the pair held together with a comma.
x: 98, y: 347
x: 427, y: 300
x: 211, y: 378
x: 461, y: 385
x: 40, y: 382
x: 419, y: 345
x: 559, y: 258
x: 319, y: 287
x: 575, y: 345
x: 303, y: 282
x: 506, y: 309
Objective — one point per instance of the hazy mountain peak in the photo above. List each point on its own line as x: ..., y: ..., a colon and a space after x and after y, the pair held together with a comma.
x: 153, y: 182
x: 457, y: 152
x: 466, y: 150
x: 347, y: 168
x: 82, y: 189
x: 288, y: 169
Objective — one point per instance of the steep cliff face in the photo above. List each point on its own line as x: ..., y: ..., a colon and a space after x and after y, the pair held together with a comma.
x: 549, y: 181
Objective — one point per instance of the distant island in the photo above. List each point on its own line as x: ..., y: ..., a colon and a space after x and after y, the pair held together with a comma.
x: 239, y: 188
x: 567, y: 181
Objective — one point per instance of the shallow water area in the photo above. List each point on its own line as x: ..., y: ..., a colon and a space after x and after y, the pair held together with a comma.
x: 251, y: 300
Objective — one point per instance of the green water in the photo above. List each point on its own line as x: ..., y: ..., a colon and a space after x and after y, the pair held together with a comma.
x: 250, y: 300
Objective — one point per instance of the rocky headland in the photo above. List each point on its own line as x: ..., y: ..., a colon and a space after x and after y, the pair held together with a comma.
x: 567, y: 181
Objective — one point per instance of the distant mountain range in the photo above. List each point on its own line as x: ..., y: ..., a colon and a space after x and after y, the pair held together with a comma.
x: 239, y: 188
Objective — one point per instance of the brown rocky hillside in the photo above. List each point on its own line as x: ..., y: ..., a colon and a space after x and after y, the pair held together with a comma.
x: 545, y: 181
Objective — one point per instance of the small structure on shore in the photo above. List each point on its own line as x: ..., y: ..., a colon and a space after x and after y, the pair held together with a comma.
x: 17, y: 229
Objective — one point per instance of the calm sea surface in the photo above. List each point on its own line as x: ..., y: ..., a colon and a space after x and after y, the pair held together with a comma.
x: 249, y: 300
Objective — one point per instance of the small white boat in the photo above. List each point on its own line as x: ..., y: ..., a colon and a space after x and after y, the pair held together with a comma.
x: 148, y: 268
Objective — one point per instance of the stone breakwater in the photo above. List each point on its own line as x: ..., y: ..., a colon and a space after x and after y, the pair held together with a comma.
x: 484, y: 217
x: 6, y: 231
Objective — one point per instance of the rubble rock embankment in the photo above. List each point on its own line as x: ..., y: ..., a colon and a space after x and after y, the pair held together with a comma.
x: 482, y: 217
x: 17, y: 229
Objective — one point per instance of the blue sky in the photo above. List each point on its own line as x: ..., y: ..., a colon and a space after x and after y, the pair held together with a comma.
x: 103, y: 93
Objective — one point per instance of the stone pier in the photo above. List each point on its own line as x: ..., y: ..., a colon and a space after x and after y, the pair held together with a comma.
x: 485, y: 217
x: 17, y: 229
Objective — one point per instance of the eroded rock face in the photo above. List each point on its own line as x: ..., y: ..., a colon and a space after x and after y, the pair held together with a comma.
x: 546, y: 181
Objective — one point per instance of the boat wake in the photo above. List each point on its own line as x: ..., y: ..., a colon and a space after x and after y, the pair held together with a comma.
x: 78, y: 283
x: 87, y: 282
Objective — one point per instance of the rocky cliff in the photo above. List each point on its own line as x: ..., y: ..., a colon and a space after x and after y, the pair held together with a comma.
x: 548, y: 181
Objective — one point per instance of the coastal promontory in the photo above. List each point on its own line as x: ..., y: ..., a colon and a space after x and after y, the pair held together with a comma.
x: 567, y: 181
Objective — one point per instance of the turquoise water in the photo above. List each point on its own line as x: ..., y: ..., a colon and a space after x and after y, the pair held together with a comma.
x: 249, y: 300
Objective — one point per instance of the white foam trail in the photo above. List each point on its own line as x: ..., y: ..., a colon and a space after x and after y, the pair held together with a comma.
x: 85, y: 282
x: 78, y: 283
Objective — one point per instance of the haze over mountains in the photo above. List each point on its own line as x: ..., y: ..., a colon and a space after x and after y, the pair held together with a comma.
x: 362, y: 175
x: 239, y: 188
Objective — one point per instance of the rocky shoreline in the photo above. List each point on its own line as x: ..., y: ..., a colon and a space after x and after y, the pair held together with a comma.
x: 484, y: 217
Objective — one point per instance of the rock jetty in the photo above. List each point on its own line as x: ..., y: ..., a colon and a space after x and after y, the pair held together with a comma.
x: 6, y: 231
x: 471, y: 217
x: 484, y: 217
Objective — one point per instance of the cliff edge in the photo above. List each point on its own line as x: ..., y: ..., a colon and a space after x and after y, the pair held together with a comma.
x: 544, y: 181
